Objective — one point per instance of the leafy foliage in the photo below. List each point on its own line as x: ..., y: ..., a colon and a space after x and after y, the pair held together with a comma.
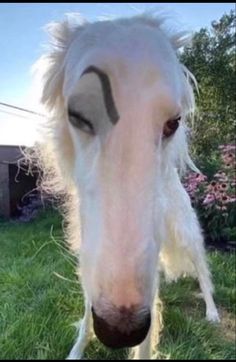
x: 214, y: 198
x: 211, y: 58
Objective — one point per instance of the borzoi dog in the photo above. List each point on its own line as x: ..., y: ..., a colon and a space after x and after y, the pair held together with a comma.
x: 118, y: 99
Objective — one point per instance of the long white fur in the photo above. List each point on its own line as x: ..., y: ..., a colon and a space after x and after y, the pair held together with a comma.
x: 180, y: 237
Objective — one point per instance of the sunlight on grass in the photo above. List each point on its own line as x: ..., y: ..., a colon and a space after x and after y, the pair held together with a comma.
x: 40, y: 299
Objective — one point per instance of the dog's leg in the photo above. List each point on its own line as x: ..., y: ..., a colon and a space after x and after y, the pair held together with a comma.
x: 199, y: 260
x: 147, y: 349
x: 85, y: 334
x: 143, y: 351
x: 183, y: 250
x: 194, y: 253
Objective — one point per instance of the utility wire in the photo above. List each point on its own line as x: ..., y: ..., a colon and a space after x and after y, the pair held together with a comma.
x: 21, y: 109
x: 15, y: 114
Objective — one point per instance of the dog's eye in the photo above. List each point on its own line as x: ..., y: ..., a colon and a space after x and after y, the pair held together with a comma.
x: 170, y: 127
x: 79, y: 121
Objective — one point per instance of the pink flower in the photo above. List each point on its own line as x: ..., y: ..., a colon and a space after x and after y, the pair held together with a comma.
x: 222, y: 208
x: 225, y: 199
x: 201, y: 177
x: 208, y: 199
x: 220, y: 174
x: 224, y: 186
x: 227, y: 148
x: 231, y: 199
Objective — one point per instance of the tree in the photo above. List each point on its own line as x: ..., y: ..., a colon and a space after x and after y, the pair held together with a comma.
x: 212, y: 59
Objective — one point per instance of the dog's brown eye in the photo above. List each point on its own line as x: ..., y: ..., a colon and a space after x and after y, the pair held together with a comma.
x: 170, y: 127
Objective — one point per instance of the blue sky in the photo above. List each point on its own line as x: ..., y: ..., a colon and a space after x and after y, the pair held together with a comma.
x: 22, y: 37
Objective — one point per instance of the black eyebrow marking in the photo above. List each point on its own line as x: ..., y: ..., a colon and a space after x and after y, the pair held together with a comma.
x: 107, y: 93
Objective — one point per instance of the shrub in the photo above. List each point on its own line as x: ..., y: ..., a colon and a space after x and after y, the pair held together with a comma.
x: 214, y: 198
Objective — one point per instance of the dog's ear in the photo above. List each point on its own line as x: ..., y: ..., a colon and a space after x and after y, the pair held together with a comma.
x: 49, y: 68
x: 180, y: 39
x: 152, y: 19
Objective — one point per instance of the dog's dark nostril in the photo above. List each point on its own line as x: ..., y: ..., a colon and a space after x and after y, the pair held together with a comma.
x: 115, y: 337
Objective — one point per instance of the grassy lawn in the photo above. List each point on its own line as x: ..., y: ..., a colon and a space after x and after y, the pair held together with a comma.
x: 40, y: 300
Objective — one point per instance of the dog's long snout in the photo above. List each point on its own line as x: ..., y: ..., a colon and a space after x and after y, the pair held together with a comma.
x: 127, y: 327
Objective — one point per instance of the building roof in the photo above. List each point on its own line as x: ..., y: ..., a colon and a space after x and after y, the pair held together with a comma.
x: 10, y: 153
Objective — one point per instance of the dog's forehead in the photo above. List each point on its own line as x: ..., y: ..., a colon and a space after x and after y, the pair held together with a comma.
x: 121, y: 51
x: 118, y: 64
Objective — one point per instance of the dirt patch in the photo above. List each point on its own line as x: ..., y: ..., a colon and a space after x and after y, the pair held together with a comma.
x: 227, y: 325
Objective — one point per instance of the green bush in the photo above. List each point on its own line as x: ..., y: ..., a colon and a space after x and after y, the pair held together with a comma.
x: 214, y: 197
x: 211, y: 58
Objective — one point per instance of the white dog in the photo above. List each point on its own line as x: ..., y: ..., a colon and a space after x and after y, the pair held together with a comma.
x: 118, y: 99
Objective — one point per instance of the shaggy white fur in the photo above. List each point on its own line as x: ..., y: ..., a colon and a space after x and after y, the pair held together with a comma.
x: 129, y: 215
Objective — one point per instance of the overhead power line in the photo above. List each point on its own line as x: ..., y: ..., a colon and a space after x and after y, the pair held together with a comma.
x: 21, y: 109
x: 19, y: 115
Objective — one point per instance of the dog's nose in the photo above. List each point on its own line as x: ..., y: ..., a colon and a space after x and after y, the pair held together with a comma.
x: 129, y: 329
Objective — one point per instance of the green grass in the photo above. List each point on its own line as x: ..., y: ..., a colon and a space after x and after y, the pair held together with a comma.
x: 40, y: 299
